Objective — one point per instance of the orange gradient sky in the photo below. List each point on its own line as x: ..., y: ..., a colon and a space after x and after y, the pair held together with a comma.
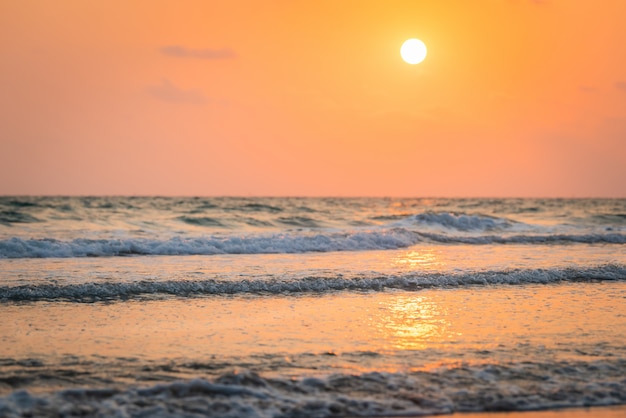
x: 310, y: 98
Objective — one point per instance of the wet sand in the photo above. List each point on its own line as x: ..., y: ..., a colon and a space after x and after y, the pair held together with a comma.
x: 616, y: 411
x: 594, y: 412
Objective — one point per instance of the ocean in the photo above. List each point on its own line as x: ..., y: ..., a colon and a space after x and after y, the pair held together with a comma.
x: 309, y: 307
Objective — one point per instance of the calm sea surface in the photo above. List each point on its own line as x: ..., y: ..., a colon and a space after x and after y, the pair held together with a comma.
x: 309, y: 307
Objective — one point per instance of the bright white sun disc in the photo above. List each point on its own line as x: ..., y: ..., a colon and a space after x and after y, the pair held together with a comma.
x: 413, y: 51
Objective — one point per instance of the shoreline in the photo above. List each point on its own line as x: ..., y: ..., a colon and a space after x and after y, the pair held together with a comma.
x: 610, y: 411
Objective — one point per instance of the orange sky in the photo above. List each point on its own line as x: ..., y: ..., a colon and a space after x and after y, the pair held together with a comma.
x: 310, y: 98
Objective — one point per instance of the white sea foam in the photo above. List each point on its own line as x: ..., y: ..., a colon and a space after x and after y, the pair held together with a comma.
x: 370, y: 282
x: 458, y: 221
x: 284, y: 243
x: 234, y: 244
x: 486, y: 387
x: 604, y: 238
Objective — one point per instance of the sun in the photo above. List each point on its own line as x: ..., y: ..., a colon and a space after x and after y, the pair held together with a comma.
x: 413, y: 51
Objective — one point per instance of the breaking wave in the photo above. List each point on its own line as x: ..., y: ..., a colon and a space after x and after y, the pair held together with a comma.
x: 611, y: 238
x: 283, y: 243
x: 460, y: 221
x: 9, y: 217
x: 89, y: 292
x: 247, y: 244
x: 468, y: 388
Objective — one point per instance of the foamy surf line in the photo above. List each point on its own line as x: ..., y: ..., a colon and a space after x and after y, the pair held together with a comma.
x: 528, y: 239
x: 89, y: 292
x: 488, y: 387
x: 285, y: 243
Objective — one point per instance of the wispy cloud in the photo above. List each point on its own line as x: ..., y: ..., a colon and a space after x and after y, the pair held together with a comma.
x: 621, y: 85
x: 178, y: 51
x: 168, y: 92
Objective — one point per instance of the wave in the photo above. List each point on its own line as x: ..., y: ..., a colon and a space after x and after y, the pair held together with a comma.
x: 283, y: 243
x: 468, y: 388
x: 610, y: 218
x: 250, y: 244
x: 89, y: 292
x: 298, y: 221
x: 610, y: 238
x: 459, y: 221
x: 9, y: 217
x: 19, y: 203
x: 257, y: 207
x: 200, y: 221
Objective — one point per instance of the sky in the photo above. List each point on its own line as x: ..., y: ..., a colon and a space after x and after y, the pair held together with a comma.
x: 516, y: 98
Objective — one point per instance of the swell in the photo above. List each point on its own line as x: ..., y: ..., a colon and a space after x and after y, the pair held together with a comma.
x: 9, y: 217
x: 200, y: 221
x: 283, y: 243
x: 514, y: 386
x: 90, y: 292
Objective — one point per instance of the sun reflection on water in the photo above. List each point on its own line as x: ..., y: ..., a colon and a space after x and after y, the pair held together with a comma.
x: 425, y: 259
x: 413, y: 323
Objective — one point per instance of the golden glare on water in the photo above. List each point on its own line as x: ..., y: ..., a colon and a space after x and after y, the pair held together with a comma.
x: 413, y: 51
x: 413, y: 323
x: 424, y: 259
x: 445, y: 325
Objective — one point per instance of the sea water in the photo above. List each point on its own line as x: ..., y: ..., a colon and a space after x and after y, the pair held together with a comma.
x: 310, y: 307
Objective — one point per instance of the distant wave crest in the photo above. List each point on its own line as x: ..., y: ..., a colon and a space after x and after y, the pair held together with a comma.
x: 459, y: 221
